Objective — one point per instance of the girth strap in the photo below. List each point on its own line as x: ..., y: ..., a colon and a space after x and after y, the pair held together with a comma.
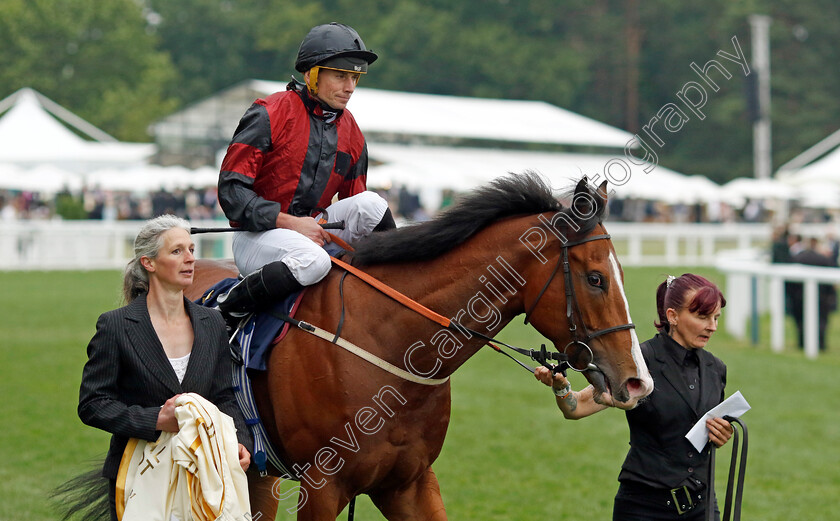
x: 361, y: 353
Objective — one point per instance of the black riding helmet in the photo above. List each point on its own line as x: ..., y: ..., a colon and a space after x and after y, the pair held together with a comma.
x: 335, y: 46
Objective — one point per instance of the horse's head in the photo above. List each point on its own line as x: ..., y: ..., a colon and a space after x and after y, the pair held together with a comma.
x: 575, y: 297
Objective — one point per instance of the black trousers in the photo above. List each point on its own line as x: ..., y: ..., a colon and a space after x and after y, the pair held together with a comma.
x: 822, y: 326
x: 635, y: 502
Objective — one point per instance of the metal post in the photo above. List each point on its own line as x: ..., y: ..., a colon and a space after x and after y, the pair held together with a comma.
x: 762, y: 162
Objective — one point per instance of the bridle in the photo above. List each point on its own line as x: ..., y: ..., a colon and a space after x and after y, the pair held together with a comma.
x: 543, y: 356
x: 572, y: 306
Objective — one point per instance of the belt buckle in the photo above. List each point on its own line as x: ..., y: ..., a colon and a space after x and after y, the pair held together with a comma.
x: 682, y: 509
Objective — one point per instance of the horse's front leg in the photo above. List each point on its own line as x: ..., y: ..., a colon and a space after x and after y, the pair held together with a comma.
x: 418, y: 501
x: 324, y: 503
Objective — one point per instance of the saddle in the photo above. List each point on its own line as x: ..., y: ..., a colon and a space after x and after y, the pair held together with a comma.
x: 263, y: 328
x: 250, y: 345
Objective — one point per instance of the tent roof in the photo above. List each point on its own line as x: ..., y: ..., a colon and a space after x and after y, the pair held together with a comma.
x: 827, y: 168
x: 428, y: 169
x: 742, y: 188
x: 50, y: 179
x: 810, y: 156
x: 34, y: 131
x: 407, y: 115
x: 813, y: 177
x: 413, y: 114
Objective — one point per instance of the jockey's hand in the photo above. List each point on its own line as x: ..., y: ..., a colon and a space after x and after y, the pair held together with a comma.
x: 166, y: 420
x: 306, y: 226
x: 244, y: 457
x: 720, y: 431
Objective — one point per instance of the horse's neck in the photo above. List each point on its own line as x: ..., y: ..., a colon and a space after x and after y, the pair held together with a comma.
x: 479, y: 286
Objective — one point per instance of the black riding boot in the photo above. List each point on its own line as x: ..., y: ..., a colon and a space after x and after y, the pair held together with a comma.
x: 260, y: 289
x: 386, y: 223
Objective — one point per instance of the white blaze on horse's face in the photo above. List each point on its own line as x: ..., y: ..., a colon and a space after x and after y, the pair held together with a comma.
x: 642, y: 372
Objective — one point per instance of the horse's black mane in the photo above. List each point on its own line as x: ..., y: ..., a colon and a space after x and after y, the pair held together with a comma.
x: 514, y: 194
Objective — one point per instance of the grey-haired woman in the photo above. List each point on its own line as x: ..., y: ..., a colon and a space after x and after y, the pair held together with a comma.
x: 156, y: 347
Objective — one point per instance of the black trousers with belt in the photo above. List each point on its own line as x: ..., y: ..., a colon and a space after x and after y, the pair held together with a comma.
x: 637, y: 502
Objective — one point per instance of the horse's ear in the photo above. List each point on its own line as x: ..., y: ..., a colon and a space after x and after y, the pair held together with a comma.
x: 602, y: 192
x: 585, y: 204
x: 582, y: 186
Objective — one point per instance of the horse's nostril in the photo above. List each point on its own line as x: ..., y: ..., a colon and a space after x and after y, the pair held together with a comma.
x: 637, y: 388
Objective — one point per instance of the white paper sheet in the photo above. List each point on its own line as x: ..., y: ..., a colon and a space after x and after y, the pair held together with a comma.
x: 734, y: 406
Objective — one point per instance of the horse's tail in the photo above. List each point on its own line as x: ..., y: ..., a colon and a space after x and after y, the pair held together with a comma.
x: 84, y: 497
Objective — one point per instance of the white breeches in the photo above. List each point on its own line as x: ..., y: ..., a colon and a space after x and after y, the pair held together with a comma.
x: 307, y: 261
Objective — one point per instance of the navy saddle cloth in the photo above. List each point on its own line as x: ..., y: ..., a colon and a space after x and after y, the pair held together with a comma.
x: 261, y: 328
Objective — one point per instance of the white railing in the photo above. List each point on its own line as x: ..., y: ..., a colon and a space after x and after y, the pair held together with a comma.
x: 86, y: 245
x: 753, y: 286
x: 40, y: 245
x: 669, y: 244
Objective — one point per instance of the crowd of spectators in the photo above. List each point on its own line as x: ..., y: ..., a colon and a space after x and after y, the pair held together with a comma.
x: 192, y: 204
x: 789, y: 247
x: 202, y: 204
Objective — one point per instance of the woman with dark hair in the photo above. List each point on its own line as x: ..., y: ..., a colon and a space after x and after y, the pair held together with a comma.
x: 663, y: 476
x: 156, y: 347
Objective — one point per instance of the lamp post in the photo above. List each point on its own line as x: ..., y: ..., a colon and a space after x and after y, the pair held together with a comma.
x: 762, y: 147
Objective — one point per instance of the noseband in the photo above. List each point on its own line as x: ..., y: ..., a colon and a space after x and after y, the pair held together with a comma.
x: 579, y: 339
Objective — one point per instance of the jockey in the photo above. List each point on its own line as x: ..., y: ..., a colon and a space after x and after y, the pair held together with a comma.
x: 291, y: 154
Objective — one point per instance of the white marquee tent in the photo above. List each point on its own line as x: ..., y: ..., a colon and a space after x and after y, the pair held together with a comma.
x: 435, y: 124
x: 36, y: 131
x: 428, y: 169
x: 743, y: 188
x: 149, y: 178
x: 813, y: 177
x: 417, y: 140
x: 384, y: 115
x: 44, y: 151
x: 381, y: 112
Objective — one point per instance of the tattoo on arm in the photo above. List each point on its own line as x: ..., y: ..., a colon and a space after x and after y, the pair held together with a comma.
x: 571, y: 401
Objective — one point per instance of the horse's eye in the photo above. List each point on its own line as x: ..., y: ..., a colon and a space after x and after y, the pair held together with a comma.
x: 595, y: 280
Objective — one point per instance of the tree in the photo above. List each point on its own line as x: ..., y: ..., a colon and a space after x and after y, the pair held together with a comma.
x: 125, y: 63
x: 606, y: 59
x: 216, y: 43
x: 95, y: 58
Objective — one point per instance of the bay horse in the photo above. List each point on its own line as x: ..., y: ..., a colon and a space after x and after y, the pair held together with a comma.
x: 348, y: 427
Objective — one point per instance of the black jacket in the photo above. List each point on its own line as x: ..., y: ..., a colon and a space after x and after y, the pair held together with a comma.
x: 660, y: 456
x: 128, y: 377
x: 827, y: 298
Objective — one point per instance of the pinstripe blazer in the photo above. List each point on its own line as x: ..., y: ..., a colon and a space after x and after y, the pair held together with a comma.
x: 128, y: 377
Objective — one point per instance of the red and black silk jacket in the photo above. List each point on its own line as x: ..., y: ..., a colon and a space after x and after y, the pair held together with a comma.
x: 286, y: 157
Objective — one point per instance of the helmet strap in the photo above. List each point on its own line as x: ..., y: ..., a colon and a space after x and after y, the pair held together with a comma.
x: 312, y: 81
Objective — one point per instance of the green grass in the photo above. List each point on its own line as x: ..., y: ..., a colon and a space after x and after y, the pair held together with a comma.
x: 509, y: 454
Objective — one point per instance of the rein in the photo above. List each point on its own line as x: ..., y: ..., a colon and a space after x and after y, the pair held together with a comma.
x: 543, y: 356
